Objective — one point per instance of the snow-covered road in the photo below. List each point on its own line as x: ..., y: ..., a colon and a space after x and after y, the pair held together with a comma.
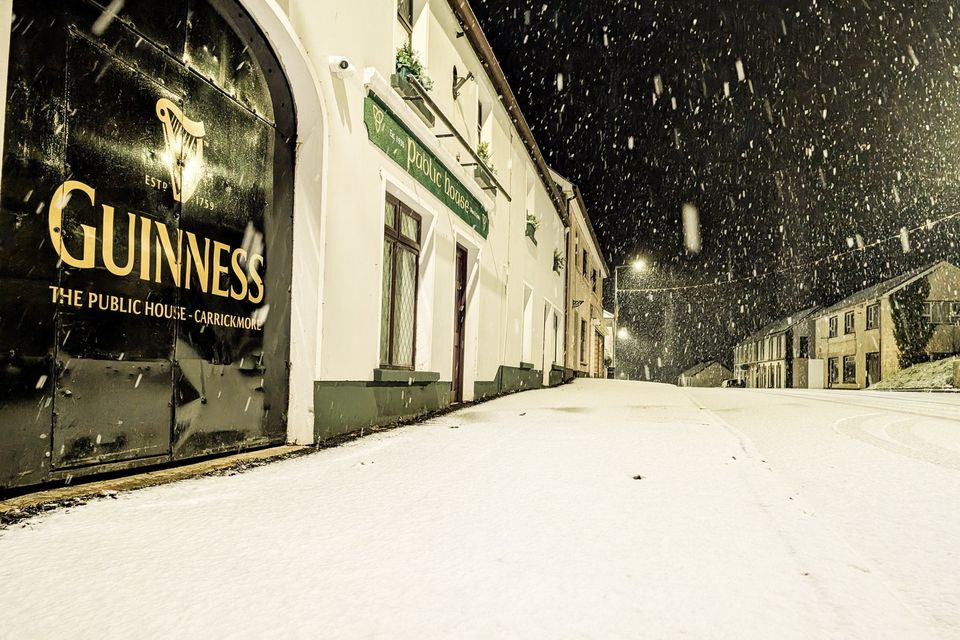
x: 602, y: 509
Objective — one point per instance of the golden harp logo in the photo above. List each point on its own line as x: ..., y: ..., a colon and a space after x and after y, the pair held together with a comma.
x: 184, y: 153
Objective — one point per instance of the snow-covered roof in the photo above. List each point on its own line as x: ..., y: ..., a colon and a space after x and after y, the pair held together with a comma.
x: 884, y: 288
x: 781, y: 325
x: 697, y: 368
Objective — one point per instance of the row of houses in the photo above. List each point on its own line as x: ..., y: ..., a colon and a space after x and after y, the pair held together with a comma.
x: 228, y: 224
x: 850, y: 344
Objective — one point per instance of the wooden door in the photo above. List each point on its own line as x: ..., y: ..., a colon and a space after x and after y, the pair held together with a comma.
x: 459, y: 320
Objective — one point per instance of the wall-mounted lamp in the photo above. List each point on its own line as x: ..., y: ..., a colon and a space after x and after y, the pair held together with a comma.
x: 458, y: 82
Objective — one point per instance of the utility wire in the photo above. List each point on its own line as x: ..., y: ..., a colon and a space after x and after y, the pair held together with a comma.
x: 902, y: 236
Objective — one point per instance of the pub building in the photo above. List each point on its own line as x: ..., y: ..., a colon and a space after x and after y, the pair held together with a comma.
x: 228, y: 224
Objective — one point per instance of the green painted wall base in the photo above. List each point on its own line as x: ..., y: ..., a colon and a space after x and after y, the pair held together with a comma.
x: 344, y: 406
x: 556, y: 376
x: 508, y: 380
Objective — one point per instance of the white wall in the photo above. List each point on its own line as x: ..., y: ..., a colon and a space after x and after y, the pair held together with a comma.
x: 358, y: 174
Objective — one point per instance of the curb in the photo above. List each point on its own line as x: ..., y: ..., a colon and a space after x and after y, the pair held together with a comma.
x: 20, y: 507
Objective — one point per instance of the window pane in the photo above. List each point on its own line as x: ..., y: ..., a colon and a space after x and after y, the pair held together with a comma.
x: 404, y: 308
x: 410, y: 227
x: 390, y: 215
x: 385, y: 303
x: 405, y: 10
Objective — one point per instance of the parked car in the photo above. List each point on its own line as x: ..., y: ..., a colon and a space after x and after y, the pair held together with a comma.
x: 733, y: 383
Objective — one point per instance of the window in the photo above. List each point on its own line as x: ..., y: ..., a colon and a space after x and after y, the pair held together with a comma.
x: 849, y: 369
x: 955, y: 312
x: 833, y: 327
x: 873, y: 316
x: 583, y: 341
x: 928, y: 312
x: 593, y: 278
x: 526, y: 346
x: 848, y: 322
x: 833, y: 370
x: 401, y: 257
x: 556, y: 338
x: 584, y: 263
x: 804, y: 347
x: 405, y: 16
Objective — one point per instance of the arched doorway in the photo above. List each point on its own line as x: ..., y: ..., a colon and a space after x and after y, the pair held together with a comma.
x: 145, y: 237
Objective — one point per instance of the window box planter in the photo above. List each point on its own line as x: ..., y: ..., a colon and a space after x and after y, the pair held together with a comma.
x: 484, y: 177
x: 532, y: 232
x: 532, y: 225
x: 401, y: 82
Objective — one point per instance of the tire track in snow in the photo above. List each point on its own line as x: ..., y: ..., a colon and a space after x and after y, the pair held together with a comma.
x: 803, y: 533
x: 904, y: 443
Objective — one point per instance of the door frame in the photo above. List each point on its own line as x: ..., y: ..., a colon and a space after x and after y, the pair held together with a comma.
x: 460, y: 282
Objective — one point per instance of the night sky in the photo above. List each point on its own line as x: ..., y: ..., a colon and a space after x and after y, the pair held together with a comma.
x: 797, y: 130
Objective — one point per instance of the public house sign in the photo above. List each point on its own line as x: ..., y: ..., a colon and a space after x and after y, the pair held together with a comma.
x: 397, y: 141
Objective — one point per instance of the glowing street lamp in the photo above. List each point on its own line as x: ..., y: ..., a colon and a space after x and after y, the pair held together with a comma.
x: 639, y: 265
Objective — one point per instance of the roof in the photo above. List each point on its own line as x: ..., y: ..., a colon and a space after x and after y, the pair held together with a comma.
x: 586, y: 218
x: 884, y: 288
x: 481, y: 46
x: 781, y: 325
x: 698, y: 368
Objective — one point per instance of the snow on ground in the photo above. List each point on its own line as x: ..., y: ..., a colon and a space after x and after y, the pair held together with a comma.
x: 927, y: 375
x: 522, y: 517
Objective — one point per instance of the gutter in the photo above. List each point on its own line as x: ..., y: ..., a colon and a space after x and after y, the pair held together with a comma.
x: 481, y: 46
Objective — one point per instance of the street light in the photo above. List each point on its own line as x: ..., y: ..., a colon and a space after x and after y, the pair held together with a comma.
x: 637, y: 265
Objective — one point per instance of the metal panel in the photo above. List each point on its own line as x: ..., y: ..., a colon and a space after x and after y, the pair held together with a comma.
x: 113, y: 398
x: 224, y: 370
x: 101, y: 197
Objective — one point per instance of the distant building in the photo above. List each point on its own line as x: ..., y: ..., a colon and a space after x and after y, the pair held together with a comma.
x: 855, y: 336
x: 778, y: 356
x: 586, y: 270
x: 705, y: 374
x: 609, y: 325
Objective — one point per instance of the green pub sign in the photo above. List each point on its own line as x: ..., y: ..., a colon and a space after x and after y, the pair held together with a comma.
x: 398, y: 142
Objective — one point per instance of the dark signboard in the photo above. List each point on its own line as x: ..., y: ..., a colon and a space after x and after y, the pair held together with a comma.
x: 145, y: 234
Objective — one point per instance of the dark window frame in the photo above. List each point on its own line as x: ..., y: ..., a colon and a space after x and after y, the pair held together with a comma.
x: 833, y: 370
x: 406, y: 21
x: 833, y: 326
x: 852, y: 378
x: 583, y: 341
x: 401, y: 243
x: 803, y: 347
x: 849, y: 323
x: 873, y: 316
x: 953, y: 311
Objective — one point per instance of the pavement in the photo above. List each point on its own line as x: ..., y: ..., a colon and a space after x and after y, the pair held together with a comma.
x: 601, y: 509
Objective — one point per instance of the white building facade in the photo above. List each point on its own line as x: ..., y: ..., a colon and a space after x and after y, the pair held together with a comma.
x: 306, y: 240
